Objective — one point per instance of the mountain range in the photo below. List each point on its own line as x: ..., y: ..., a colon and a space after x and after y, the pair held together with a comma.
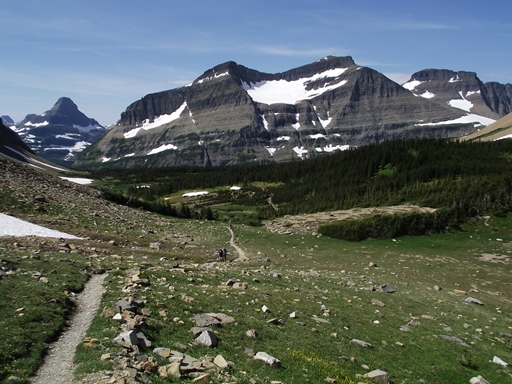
x: 59, y: 133
x: 232, y: 114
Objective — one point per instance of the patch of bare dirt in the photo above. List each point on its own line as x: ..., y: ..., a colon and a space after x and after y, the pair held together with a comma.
x: 309, y: 223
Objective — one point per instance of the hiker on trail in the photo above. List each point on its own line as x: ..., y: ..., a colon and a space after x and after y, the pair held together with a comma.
x: 222, y: 252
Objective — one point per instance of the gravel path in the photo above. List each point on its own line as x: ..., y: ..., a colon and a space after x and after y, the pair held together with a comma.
x: 241, y: 254
x: 58, y: 365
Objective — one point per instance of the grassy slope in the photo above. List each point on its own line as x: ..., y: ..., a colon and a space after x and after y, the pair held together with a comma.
x: 310, y: 352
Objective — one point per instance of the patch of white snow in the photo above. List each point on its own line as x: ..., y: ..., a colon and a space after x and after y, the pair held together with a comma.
x: 162, y: 148
x: 271, y: 150
x: 427, y: 95
x: 11, y: 226
x: 157, y: 122
x: 411, y: 85
x: 300, y: 151
x: 291, y: 92
x: 78, y: 180
x: 194, y: 194
x: 466, y: 119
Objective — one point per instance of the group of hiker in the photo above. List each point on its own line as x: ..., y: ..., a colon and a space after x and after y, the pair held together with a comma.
x: 222, y: 252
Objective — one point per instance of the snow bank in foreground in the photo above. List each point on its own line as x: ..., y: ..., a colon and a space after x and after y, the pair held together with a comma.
x: 78, y: 180
x: 11, y: 226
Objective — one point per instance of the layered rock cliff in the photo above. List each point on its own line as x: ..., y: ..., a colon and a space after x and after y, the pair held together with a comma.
x: 232, y: 114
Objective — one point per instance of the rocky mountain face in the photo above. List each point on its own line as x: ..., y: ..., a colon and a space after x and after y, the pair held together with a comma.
x: 7, y: 120
x: 463, y: 90
x: 60, y: 133
x: 13, y: 147
x: 232, y: 114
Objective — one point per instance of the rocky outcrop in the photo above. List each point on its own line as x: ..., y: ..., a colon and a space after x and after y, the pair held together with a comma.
x: 463, y: 90
x: 232, y: 114
x: 59, y: 133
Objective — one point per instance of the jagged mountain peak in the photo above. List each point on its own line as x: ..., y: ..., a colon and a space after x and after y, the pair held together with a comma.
x: 63, y: 112
x: 233, y: 114
x: 64, y: 106
x: 247, y: 75
x: 60, y: 132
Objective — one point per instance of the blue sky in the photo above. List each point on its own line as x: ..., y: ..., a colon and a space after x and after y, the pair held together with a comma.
x: 106, y: 54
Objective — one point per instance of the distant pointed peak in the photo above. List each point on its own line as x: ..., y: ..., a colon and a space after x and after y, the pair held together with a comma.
x: 64, y: 103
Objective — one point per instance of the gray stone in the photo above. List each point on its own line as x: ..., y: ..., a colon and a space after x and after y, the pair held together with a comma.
x: 387, y: 288
x: 251, y: 333
x: 129, y: 337
x: 454, y: 340
x: 499, y: 361
x: 472, y: 300
x: 378, y: 303
x: 321, y: 320
x: 205, y: 320
x: 265, y: 357
x: 220, y: 362
x: 208, y: 339
x: 143, y: 341
x: 361, y: 343
x: 378, y: 376
x: 478, y: 380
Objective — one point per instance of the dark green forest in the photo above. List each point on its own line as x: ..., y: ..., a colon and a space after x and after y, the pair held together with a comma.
x: 464, y: 179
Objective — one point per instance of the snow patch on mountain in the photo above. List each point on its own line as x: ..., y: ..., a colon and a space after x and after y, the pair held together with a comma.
x: 164, y: 147
x: 411, y: 85
x: 427, y: 95
x: 271, y: 150
x: 265, y: 122
x: 300, y: 151
x: 79, y: 146
x: 78, y: 180
x: 461, y: 103
x: 217, y: 75
x: 291, y: 92
x: 469, y: 118
x: 31, y: 124
x: 332, y: 148
x: 157, y: 122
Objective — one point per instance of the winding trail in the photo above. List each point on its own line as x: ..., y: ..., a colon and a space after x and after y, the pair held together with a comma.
x: 58, y: 365
x: 241, y: 253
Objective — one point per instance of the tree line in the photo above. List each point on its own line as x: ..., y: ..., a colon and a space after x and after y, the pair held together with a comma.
x: 464, y: 178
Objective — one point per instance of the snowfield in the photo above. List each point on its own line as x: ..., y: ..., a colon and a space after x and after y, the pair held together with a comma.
x: 11, y: 226
x: 291, y: 92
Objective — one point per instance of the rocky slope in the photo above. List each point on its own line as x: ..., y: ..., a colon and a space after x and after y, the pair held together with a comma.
x: 233, y: 114
x: 59, y: 133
